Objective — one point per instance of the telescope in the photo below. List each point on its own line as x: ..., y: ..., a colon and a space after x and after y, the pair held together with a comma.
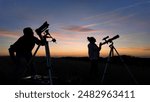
x: 112, y: 52
x: 43, y: 29
x: 109, y: 40
x: 43, y: 33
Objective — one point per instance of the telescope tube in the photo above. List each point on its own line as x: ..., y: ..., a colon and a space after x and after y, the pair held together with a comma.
x: 110, y: 40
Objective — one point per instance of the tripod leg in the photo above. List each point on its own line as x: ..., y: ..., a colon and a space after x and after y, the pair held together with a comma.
x: 34, y: 54
x: 126, y: 66
x: 106, y: 66
x: 28, y: 64
x: 48, y: 61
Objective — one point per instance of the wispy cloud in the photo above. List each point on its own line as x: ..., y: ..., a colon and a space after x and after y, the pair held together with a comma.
x: 113, y: 20
x: 114, y: 16
x: 9, y: 34
x: 63, y: 37
x: 107, y: 14
x: 90, y: 25
x: 77, y: 28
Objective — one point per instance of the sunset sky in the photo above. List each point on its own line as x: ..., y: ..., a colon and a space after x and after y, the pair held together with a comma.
x: 72, y: 21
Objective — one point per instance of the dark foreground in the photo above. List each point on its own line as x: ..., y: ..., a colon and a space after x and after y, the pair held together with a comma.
x: 75, y: 71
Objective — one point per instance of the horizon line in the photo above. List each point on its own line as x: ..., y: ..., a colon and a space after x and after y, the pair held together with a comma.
x: 83, y: 56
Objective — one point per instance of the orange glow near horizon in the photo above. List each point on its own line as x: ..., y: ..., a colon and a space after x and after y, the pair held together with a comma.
x: 69, y: 46
x: 137, y: 52
x: 58, y: 52
x: 74, y: 45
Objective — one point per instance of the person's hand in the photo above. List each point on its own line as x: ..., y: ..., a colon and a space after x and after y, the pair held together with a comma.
x: 100, y: 44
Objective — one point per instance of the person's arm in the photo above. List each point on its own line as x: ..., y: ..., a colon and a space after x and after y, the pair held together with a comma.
x: 100, y: 46
x: 13, y: 48
x: 38, y: 42
x: 12, y: 53
x: 89, y: 50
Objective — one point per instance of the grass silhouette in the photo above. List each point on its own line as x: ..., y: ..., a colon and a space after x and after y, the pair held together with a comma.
x: 75, y: 70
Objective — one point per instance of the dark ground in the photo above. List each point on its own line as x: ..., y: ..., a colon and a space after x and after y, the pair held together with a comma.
x: 75, y: 71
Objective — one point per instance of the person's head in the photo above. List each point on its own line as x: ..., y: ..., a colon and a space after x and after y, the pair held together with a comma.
x: 28, y: 32
x: 91, y: 39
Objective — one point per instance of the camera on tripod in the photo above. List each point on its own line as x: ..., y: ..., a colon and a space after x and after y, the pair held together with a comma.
x: 43, y: 32
x: 110, y: 40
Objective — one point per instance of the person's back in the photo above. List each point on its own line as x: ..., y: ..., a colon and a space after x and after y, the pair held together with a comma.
x: 93, y: 51
x: 21, y: 52
x: 24, y: 45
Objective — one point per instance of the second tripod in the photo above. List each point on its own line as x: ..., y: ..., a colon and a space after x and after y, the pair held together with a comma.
x: 111, y: 54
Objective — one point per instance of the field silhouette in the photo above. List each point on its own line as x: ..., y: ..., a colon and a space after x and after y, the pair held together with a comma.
x: 75, y: 71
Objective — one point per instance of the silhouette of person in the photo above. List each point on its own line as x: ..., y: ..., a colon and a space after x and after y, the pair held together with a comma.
x: 93, y: 52
x: 21, y: 52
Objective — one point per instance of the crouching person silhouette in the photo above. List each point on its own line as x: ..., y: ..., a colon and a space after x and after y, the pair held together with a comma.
x: 93, y: 52
x: 21, y: 53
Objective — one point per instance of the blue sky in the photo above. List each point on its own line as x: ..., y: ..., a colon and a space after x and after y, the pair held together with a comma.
x: 71, y: 21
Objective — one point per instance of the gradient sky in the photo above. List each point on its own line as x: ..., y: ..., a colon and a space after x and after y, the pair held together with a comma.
x: 71, y: 21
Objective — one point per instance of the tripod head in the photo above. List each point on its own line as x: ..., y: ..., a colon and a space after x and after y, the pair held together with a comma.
x: 105, y: 38
x: 110, y: 40
x: 43, y: 32
x: 48, y: 35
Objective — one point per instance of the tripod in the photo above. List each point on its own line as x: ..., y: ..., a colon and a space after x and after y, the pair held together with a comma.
x: 48, y: 58
x: 111, y: 54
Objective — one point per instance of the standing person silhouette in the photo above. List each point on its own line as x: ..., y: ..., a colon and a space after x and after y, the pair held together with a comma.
x: 93, y: 52
x: 21, y: 52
